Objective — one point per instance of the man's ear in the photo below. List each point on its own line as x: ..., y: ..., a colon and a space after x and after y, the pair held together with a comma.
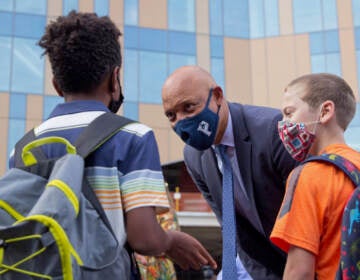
x: 113, y: 81
x: 57, y: 88
x: 218, y: 94
x: 327, y: 111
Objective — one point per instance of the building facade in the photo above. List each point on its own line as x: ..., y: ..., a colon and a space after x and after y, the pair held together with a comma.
x: 253, y: 48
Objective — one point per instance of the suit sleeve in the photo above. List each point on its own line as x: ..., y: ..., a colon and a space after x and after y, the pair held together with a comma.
x: 191, y: 163
x: 283, y: 161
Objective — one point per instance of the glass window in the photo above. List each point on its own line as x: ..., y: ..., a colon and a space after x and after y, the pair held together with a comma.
x: 131, y: 110
x: 216, y: 17
x: 358, y: 67
x: 352, y: 133
x: 218, y: 71
x: 357, y: 38
x: 28, y: 67
x: 30, y: 6
x: 131, y: 12
x: 6, y: 23
x: 330, y: 14
x: 217, y: 46
x: 272, y: 25
x: 332, y: 41
x: 318, y: 63
x: 256, y: 18
x: 307, y: 15
x: 30, y: 26
x: 50, y: 102
x: 69, y: 5
x: 236, y: 18
x: 333, y: 63
x: 131, y: 37
x: 356, y: 12
x: 15, y: 131
x: 7, y: 5
x: 131, y: 81
x: 101, y: 7
x: 181, y: 15
x: 17, y: 106
x: 152, y: 76
x: 5, y: 58
x: 182, y: 42
x: 177, y: 60
x: 316, y: 43
x: 152, y: 39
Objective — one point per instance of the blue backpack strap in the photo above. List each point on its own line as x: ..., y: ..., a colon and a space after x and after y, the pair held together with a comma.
x: 350, y: 253
x: 342, y: 163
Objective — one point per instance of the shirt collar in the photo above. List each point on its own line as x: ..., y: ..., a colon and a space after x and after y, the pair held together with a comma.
x: 228, y: 137
x: 77, y: 107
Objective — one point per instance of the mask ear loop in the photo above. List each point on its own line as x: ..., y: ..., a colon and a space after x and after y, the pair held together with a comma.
x: 318, y: 121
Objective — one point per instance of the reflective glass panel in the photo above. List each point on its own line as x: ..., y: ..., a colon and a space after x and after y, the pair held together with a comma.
x: 28, y: 67
x: 256, y: 18
x: 177, y: 60
x: 217, y: 71
x: 307, y: 15
x: 131, y: 37
x: 236, y: 18
x: 131, y: 110
x: 332, y: 41
x: 272, y: 25
x: 153, y: 72
x: 50, y: 102
x: 182, y: 42
x: 317, y: 43
x: 17, y: 106
x: 216, y: 17
x: 30, y: 6
x: 356, y: 12
x: 217, y: 46
x: 333, y: 63
x: 7, y: 5
x: 330, y: 14
x: 16, y: 130
x: 69, y: 5
x: 30, y: 26
x: 131, y: 81
x: 152, y: 39
x: 101, y: 7
x: 131, y: 12
x: 5, y: 58
x: 181, y: 15
x: 318, y: 63
x: 6, y: 23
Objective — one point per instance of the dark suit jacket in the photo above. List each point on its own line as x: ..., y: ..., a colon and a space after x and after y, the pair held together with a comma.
x: 264, y: 166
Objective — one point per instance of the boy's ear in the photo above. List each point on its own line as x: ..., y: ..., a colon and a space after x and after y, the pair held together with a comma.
x: 327, y: 111
x: 114, y: 79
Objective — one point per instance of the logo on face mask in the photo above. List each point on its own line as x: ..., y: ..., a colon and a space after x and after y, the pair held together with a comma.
x: 204, y: 128
x: 199, y: 131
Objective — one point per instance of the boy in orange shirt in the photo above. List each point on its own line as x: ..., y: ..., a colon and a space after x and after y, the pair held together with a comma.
x: 317, y: 109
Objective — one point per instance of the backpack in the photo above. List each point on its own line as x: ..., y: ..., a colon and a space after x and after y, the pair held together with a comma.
x: 349, y: 266
x: 52, y: 225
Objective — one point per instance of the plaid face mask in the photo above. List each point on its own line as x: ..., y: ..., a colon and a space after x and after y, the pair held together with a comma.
x: 296, y: 139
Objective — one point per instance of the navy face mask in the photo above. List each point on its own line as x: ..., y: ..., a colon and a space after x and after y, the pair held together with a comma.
x: 114, y: 105
x: 199, y: 131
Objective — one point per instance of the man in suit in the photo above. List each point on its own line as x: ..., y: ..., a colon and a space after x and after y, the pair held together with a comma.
x: 199, y: 113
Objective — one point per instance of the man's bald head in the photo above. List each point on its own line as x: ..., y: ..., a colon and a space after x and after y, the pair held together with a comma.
x: 188, y: 78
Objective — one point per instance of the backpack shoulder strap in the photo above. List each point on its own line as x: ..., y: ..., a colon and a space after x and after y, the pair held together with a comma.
x: 342, y: 163
x: 98, y: 132
x: 27, y: 138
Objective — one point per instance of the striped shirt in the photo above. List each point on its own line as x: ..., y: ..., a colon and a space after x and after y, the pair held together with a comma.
x: 125, y: 172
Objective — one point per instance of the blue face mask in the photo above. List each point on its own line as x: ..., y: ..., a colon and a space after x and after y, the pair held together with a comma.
x: 199, y: 131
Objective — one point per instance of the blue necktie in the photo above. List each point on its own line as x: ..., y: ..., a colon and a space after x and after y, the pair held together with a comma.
x: 228, y: 219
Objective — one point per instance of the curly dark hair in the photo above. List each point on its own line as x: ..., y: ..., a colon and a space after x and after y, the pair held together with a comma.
x: 83, y: 49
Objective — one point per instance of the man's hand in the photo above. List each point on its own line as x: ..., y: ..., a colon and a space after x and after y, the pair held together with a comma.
x: 187, y: 252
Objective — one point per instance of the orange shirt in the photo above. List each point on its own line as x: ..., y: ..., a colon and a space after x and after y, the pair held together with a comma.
x: 313, y: 221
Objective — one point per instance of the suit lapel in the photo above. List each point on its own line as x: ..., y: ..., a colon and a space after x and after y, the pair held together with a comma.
x: 243, y: 150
